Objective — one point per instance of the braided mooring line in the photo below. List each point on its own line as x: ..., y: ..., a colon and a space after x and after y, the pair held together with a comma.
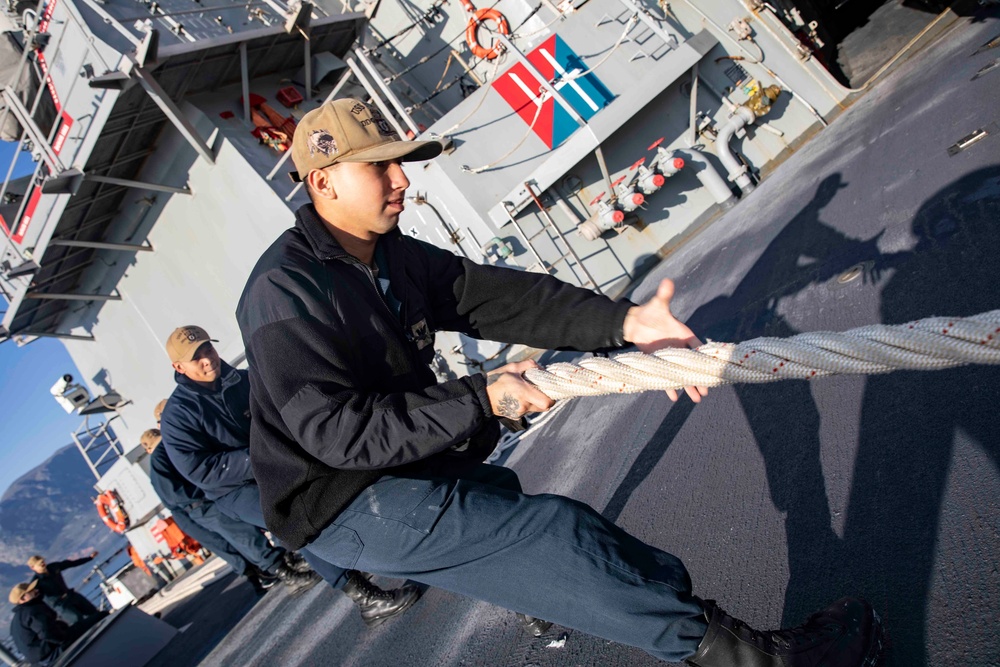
x: 929, y: 344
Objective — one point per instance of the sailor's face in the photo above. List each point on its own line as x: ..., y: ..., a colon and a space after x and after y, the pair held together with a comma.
x: 371, y: 194
x: 30, y: 595
x: 204, y: 367
x: 39, y: 567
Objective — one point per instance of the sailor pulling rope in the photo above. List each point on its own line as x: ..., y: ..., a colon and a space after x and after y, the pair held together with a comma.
x: 929, y: 344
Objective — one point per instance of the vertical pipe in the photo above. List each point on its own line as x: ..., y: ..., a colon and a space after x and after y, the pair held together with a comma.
x: 307, y: 60
x: 245, y: 76
x: 393, y: 100
x: 693, y: 111
x: 710, y: 178
x: 599, y: 154
x: 379, y: 102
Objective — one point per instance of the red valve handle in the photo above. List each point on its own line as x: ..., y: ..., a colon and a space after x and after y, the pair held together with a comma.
x: 637, y: 163
x: 656, y: 143
x: 618, y: 180
x: 597, y: 199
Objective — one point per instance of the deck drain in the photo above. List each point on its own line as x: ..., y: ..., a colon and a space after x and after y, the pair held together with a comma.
x: 850, y: 274
x: 972, y: 138
x: 849, y: 278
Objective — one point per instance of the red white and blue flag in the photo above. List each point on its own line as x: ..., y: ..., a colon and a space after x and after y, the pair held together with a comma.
x: 560, y: 66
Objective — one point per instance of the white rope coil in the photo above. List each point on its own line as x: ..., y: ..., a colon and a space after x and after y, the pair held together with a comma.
x: 929, y: 344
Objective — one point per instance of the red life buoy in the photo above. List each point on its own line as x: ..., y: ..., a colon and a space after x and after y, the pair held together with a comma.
x: 112, y: 513
x: 471, y: 30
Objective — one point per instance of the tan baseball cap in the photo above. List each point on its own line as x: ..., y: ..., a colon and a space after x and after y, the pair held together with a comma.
x: 348, y: 130
x: 21, y: 589
x: 185, y: 341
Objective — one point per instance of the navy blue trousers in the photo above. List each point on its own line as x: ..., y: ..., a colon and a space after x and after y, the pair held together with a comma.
x: 476, y: 533
x: 211, y: 540
x: 244, y: 504
x: 248, y: 539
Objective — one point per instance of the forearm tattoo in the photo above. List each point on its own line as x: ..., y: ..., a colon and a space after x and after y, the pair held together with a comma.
x: 509, y: 407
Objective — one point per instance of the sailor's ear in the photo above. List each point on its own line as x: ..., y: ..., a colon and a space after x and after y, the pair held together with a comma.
x: 320, y: 184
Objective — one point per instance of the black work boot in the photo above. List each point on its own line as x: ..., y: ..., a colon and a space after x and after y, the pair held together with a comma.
x: 848, y: 633
x: 261, y: 581
x: 296, y: 562
x: 375, y: 604
x: 535, y: 627
x: 296, y: 582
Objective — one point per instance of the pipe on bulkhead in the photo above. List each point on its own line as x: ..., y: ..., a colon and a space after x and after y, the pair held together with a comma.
x: 737, y: 170
x: 709, y: 177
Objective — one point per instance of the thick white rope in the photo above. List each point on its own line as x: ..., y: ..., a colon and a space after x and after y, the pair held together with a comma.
x: 929, y: 344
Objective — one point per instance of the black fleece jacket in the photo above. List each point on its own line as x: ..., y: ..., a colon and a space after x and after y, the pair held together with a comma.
x: 36, y: 631
x: 340, y: 388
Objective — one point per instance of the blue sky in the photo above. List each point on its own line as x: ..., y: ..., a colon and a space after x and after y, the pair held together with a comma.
x: 32, y: 425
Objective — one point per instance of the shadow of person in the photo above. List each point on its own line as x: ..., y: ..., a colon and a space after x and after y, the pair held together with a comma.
x: 913, y: 424
x: 805, y: 252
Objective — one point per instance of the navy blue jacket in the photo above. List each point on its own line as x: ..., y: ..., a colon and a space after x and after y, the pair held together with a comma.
x: 51, y: 584
x: 206, y: 432
x: 36, y: 631
x: 342, y: 390
x: 176, y: 491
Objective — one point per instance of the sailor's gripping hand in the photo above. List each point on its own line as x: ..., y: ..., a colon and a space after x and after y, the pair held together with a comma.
x: 512, y: 396
x: 652, y: 326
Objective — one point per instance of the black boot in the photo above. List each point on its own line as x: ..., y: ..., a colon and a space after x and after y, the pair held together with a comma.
x: 535, y: 627
x: 375, y: 604
x: 848, y: 633
x: 296, y: 582
x: 296, y: 562
x: 261, y: 581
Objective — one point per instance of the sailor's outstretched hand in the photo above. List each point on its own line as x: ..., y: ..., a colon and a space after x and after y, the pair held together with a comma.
x: 652, y: 326
x: 511, y: 396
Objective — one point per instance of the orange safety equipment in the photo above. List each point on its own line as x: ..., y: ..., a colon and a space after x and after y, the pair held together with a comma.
x: 472, y: 30
x: 181, y: 544
x: 112, y: 511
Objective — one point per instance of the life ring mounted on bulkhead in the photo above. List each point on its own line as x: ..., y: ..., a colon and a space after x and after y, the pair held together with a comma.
x: 112, y: 511
x: 472, y: 29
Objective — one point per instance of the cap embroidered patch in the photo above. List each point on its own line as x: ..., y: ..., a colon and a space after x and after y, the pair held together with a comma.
x: 321, y: 141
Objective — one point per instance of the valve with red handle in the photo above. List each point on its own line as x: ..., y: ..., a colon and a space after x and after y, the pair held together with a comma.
x: 648, y: 180
x: 628, y: 198
x: 665, y: 162
x: 607, y: 216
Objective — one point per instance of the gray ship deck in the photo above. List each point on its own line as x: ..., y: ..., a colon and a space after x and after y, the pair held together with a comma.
x: 783, y: 497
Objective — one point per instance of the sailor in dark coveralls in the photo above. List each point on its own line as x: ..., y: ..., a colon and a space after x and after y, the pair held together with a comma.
x: 206, y: 434
x: 365, y: 457
x: 70, y: 605
x: 241, y: 545
x: 37, y: 633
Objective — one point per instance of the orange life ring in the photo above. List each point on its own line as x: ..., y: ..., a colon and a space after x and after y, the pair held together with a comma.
x: 112, y: 513
x: 472, y: 29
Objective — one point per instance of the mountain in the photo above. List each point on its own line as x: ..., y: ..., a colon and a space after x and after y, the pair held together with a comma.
x: 50, y: 511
